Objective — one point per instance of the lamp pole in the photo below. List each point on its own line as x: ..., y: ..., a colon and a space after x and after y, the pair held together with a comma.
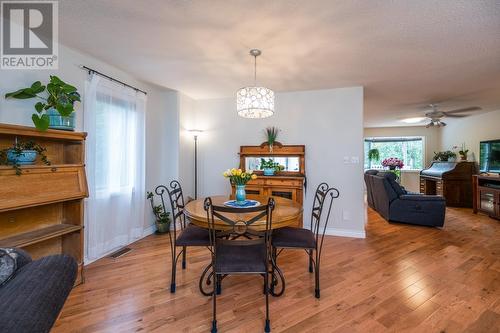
x: 196, y: 166
x: 195, y: 133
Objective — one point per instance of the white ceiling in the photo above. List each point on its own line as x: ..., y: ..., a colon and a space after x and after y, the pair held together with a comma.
x: 405, y: 53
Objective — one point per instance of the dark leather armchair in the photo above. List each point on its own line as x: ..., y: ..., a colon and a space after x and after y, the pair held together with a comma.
x: 394, y: 203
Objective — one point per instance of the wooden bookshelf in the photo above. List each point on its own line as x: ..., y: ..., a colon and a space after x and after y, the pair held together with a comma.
x: 41, y: 210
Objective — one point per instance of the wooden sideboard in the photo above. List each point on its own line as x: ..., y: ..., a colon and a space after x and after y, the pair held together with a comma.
x: 41, y: 210
x: 286, y: 184
x: 486, y: 195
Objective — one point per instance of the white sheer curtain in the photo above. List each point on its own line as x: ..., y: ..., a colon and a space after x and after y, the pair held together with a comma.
x: 115, y: 163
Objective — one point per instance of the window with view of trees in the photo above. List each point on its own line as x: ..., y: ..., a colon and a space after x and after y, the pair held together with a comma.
x: 408, y: 149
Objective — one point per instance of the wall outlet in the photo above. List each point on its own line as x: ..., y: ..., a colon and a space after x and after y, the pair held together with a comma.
x: 346, y: 215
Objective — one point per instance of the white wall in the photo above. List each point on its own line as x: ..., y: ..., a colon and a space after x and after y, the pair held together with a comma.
x: 162, y: 131
x: 328, y: 122
x: 432, y: 143
x: 471, y: 130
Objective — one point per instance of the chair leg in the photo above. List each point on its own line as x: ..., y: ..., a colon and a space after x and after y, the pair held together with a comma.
x: 174, y: 268
x: 267, y: 328
x: 184, y: 257
x: 219, y: 285
x: 316, y: 278
x: 273, y: 255
x: 214, y: 306
x: 310, y: 261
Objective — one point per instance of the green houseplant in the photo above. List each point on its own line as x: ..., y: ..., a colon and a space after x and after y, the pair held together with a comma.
x: 444, y: 156
x: 162, y: 218
x: 463, y: 152
x: 57, y: 105
x: 270, y: 167
x: 23, y: 153
x: 271, y: 136
x: 373, y: 154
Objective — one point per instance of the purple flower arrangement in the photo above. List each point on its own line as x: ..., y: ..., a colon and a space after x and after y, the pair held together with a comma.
x: 393, y: 163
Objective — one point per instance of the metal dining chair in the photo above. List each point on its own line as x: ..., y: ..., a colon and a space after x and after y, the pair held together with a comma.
x: 308, y: 239
x: 190, y: 234
x: 237, y: 248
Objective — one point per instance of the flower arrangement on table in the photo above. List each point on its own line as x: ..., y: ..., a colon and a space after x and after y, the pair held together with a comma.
x: 393, y: 163
x: 239, y: 178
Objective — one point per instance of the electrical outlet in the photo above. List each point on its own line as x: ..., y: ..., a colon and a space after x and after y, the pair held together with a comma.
x: 346, y: 215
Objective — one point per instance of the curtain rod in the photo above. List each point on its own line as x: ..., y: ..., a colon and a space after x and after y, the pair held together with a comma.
x: 90, y: 70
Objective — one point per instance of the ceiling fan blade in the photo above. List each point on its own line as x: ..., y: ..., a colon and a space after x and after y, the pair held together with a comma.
x: 471, y: 108
x: 455, y: 115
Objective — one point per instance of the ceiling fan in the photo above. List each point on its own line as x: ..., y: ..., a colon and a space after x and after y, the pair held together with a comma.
x: 436, y: 115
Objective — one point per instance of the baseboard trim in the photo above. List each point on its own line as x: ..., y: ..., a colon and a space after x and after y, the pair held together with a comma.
x: 149, y: 230
x: 345, y: 233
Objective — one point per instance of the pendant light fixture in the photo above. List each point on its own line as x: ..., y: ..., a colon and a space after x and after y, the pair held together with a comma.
x: 255, y: 102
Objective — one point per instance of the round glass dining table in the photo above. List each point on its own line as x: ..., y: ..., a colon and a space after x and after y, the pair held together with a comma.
x: 286, y: 212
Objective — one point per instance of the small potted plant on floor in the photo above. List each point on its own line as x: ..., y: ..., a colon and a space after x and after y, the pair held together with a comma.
x: 56, y: 108
x: 23, y: 153
x: 269, y: 167
x: 162, y: 218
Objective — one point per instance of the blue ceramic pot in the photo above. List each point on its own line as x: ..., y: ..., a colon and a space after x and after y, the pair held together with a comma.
x: 241, y: 194
x: 269, y: 171
x: 25, y: 158
x: 56, y: 121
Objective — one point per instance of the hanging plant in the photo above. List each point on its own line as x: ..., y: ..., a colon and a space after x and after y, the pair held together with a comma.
x: 59, y: 96
x: 373, y: 154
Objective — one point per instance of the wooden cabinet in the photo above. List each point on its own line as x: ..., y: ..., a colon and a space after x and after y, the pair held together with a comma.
x: 287, y: 184
x: 41, y: 210
x: 487, y: 195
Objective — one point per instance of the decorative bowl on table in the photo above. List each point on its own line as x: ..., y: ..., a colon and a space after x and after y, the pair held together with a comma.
x: 242, y: 204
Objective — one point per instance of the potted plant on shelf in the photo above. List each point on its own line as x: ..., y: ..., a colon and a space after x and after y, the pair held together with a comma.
x: 239, y: 179
x: 373, y: 155
x: 56, y: 110
x: 463, y: 152
x: 23, y: 153
x: 270, y: 167
x: 444, y: 156
x: 162, y: 218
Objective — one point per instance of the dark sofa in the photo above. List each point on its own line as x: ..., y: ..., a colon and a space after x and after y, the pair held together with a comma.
x: 32, y: 299
x: 394, y: 203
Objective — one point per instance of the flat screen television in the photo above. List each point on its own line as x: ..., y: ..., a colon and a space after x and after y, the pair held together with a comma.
x: 489, y: 156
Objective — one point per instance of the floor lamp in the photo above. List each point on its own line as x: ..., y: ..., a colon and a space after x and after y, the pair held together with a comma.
x: 195, y: 134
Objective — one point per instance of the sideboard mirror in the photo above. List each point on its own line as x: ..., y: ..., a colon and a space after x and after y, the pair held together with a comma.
x: 290, y: 163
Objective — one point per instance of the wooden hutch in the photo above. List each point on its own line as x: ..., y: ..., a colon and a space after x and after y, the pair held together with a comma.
x: 288, y: 183
x: 487, y: 195
x: 41, y: 210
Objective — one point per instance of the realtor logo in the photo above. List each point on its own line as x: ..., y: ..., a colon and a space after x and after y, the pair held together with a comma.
x: 29, y: 35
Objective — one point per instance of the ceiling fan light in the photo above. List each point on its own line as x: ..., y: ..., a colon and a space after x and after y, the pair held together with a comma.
x: 413, y: 120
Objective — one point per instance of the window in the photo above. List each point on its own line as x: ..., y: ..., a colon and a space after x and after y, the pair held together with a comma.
x: 408, y: 149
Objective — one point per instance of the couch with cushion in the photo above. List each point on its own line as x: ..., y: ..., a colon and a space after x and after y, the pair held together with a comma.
x: 33, y: 292
x: 394, y: 203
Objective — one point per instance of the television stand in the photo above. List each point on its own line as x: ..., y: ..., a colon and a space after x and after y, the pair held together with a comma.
x: 486, y: 195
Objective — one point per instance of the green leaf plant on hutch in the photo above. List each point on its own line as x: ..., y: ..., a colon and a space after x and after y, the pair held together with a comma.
x: 269, y: 167
x: 57, y: 105
x: 162, y: 218
x: 271, y: 134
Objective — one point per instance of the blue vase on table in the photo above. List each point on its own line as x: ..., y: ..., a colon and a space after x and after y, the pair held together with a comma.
x: 240, y: 194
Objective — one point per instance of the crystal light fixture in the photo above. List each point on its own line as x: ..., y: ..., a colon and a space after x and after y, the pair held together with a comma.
x: 254, y: 101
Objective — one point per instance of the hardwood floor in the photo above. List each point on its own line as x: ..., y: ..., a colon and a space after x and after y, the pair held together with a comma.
x: 400, y: 278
